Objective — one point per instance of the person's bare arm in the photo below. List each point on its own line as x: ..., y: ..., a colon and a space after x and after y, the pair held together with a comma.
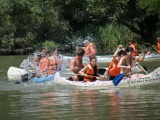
x: 142, y: 56
x: 82, y: 71
x: 121, y: 64
x: 73, y: 67
x: 115, y: 54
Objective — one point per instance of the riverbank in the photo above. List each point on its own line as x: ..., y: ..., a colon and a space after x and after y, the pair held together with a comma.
x: 25, y: 51
x: 30, y: 50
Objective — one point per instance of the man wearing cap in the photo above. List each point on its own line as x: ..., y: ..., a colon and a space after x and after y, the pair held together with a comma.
x: 90, y: 49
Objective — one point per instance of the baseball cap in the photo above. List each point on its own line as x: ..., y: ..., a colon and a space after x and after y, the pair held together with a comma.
x: 86, y: 41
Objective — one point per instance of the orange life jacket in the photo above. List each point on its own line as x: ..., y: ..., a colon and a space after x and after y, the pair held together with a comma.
x: 135, y: 52
x: 43, y: 63
x: 91, y: 72
x: 158, y: 45
x: 51, y: 62
x: 113, y: 69
x: 88, y: 50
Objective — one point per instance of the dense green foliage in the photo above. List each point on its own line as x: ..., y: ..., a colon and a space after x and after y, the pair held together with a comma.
x: 30, y: 24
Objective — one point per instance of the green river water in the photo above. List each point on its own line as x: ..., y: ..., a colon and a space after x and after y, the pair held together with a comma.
x: 54, y: 102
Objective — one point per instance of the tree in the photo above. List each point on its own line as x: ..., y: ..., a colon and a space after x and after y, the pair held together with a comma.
x: 140, y: 16
x: 25, y: 23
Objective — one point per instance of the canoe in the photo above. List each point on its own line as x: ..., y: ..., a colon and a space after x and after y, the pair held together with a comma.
x: 43, y: 79
x: 153, y: 77
x: 15, y: 73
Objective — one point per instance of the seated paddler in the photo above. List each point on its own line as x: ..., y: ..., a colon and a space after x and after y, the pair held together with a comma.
x: 90, y: 70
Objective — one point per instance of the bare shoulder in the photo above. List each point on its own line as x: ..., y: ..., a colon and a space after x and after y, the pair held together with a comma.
x: 73, y: 59
x: 123, y: 58
x: 84, y: 69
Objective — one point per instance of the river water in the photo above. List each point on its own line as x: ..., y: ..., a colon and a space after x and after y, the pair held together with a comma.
x: 48, y: 101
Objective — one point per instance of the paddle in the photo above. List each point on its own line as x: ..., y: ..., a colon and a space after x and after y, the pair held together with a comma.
x: 142, y: 68
x: 119, y: 77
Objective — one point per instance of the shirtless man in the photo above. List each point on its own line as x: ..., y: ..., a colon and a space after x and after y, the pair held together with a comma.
x: 76, y: 63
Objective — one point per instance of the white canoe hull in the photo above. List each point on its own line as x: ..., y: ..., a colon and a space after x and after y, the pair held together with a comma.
x: 15, y: 73
x: 153, y: 77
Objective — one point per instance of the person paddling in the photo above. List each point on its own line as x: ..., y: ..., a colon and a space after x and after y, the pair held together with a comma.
x: 90, y: 70
x: 127, y: 61
x: 113, y: 70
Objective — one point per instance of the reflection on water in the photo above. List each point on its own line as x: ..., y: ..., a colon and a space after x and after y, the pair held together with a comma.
x: 49, y: 101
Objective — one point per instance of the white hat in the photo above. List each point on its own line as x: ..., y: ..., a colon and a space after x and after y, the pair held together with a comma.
x: 86, y: 41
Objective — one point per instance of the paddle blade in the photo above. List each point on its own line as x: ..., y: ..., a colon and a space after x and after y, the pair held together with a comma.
x: 117, y: 79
